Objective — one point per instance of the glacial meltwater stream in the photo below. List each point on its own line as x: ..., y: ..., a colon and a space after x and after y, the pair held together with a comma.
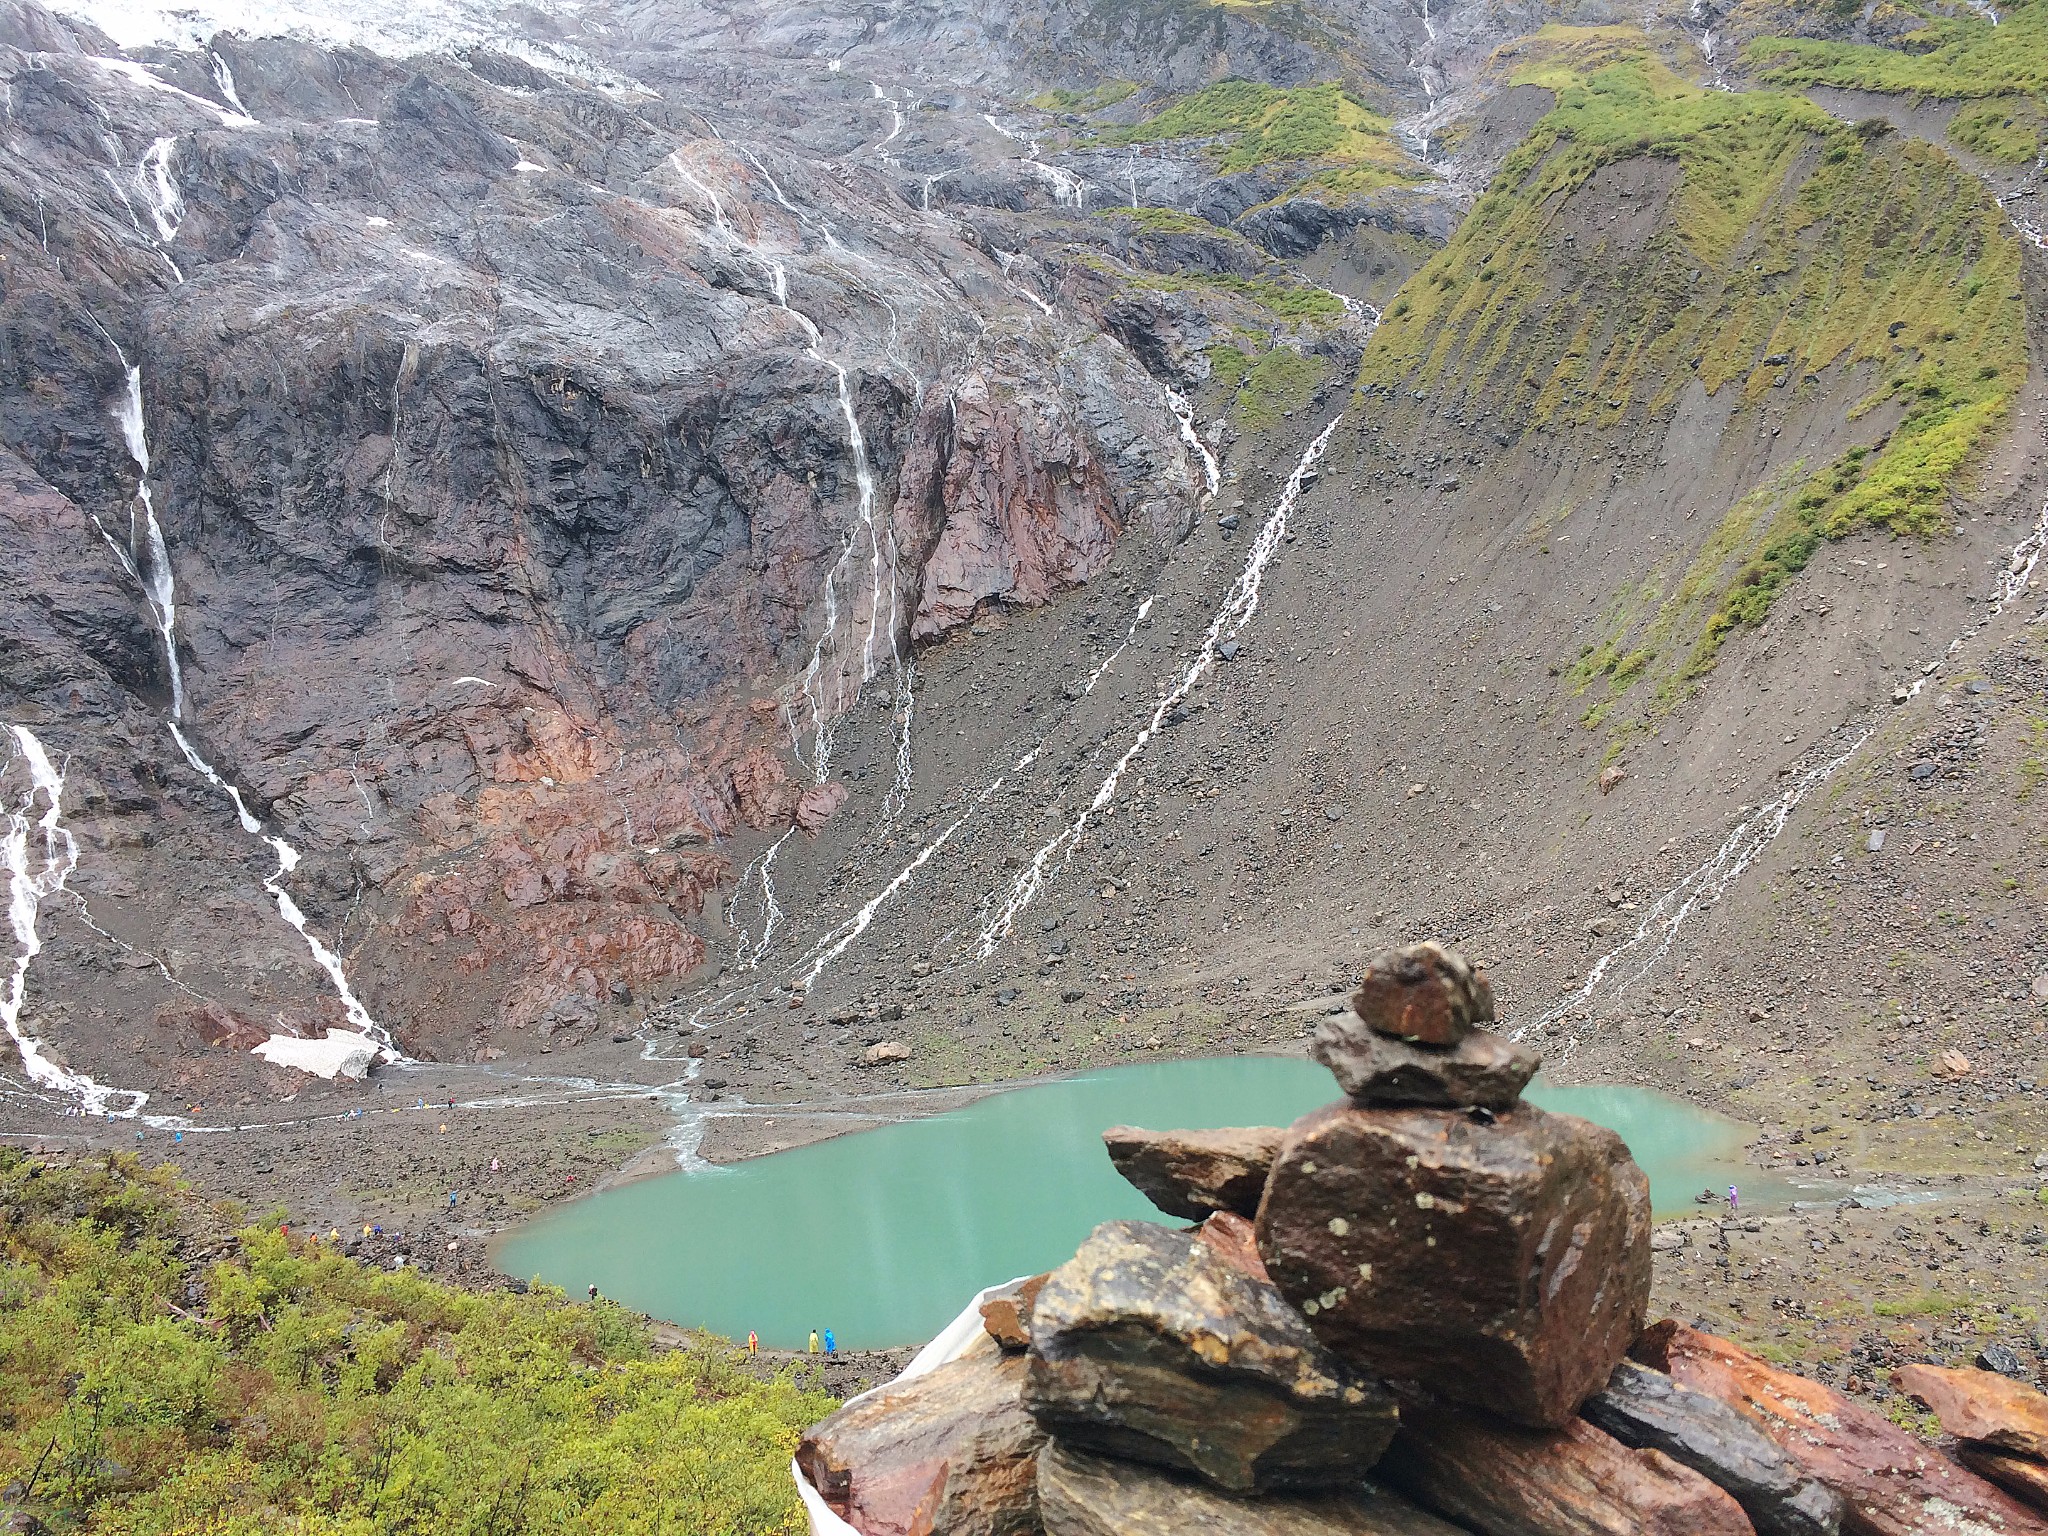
x: 882, y: 1235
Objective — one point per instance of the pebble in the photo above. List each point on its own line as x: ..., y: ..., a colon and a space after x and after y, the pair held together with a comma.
x: 1876, y: 839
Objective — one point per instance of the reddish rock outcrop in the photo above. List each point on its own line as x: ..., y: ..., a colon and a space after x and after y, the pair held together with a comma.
x: 949, y: 1451
x: 1502, y: 1262
x: 1027, y: 507
x: 1993, y: 1411
x: 1503, y: 1480
x: 1191, y: 1174
x: 1892, y: 1483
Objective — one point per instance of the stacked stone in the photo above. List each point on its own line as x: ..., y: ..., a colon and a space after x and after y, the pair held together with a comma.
x: 1431, y: 1287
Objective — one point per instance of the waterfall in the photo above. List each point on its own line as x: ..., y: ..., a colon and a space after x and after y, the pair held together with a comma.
x: 148, y: 561
x: 39, y: 853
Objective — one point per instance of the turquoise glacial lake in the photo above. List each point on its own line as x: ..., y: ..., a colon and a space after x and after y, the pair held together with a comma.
x: 883, y: 1235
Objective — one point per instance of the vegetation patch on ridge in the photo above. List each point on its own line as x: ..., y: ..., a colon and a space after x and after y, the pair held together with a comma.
x: 1264, y: 385
x: 1258, y: 124
x: 287, y: 1388
x: 1999, y: 72
x: 1096, y: 99
x: 1775, y: 245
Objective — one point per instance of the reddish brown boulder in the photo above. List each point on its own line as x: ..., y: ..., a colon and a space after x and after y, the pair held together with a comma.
x: 952, y: 1450
x: 1191, y: 1173
x: 1892, y: 1483
x: 1504, y: 1480
x: 1236, y: 1242
x: 1147, y: 1345
x: 2017, y: 1475
x: 1007, y: 1314
x: 1425, y: 994
x: 1083, y: 1495
x: 1504, y: 1264
x: 1995, y: 1411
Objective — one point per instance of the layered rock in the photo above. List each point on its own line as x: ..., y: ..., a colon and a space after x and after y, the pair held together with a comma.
x: 1481, y: 1070
x: 1084, y: 1495
x: 1891, y: 1483
x: 1504, y: 1480
x: 1148, y: 1345
x: 1647, y: 1410
x: 952, y: 1450
x: 1191, y: 1174
x: 1503, y: 1262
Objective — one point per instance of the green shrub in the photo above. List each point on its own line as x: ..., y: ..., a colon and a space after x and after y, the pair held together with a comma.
x: 289, y: 1388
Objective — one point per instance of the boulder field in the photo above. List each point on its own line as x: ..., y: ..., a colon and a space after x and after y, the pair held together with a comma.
x: 1418, y: 1311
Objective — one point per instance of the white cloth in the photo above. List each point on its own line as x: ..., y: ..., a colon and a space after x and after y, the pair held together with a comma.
x: 949, y: 1346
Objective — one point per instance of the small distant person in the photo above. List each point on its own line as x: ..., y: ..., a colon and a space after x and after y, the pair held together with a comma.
x: 451, y: 1199
x: 593, y: 1293
x: 753, y: 1342
x: 494, y: 1165
x: 814, y: 1341
x: 831, y: 1344
x: 1734, y: 1200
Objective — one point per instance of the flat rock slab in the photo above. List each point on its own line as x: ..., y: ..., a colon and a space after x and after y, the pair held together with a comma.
x: 1504, y: 1480
x: 1504, y: 1264
x: 1481, y: 1069
x: 1084, y: 1495
x: 1424, y: 993
x: 1982, y: 1406
x: 1892, y: 1483
x: 1190, y: 1174
x: 1647, y: 1410
x: 1151, y: 1346
x: 952, y: 1450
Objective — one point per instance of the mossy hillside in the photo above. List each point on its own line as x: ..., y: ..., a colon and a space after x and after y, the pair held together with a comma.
x: 1999, y: 74
x: 1096, y: 99
x: 1950, y: 58
x: 1789, y: 244
x: 1256, y: 124
x: 1275, y: 301
x: 287, y: 1388
x: 1260, y: 387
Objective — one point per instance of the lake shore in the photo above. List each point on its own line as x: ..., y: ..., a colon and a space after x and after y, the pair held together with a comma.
x: 1805, y: 1283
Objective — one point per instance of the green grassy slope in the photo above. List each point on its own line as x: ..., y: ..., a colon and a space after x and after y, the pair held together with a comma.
x: 1792, y: 244
x: 288, y: 1389
x: 1999, y: 73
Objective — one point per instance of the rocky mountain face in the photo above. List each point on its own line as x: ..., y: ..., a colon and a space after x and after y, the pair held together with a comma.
x: 731, y: 535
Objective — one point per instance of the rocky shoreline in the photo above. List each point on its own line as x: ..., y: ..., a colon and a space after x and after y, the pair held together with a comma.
x: 1428, y: 1316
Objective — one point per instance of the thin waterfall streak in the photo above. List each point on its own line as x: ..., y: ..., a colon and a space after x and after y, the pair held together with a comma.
x: 1706, y: 883
x: 834, y: 944
x: 39, y: 854
x: 1239, y: 606
x: 152, y: 568
x: 1184, y: 418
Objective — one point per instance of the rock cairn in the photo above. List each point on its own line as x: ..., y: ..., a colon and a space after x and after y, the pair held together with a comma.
x: 1415, y: 1312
